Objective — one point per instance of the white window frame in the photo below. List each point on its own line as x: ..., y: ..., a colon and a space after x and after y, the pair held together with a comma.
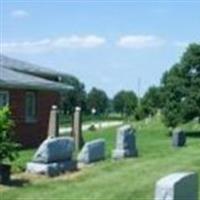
x: 6, y: 93
x: 28, y: 118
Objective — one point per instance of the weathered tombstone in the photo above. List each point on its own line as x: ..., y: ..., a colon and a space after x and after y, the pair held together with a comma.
x: 54, y: 156
x: 54, y: 149
x: 178, y: 138
x: 53, y: 129
x: 92, y: 151
x: 177, y: 186
x: 126, y: 143
x: 77, y: 129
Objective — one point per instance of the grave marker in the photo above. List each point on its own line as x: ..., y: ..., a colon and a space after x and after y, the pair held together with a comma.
x: 126, y: 143
x: 77, y: 129
x: 53, y: 128
x: 178, y: 138
x: 177, y: 186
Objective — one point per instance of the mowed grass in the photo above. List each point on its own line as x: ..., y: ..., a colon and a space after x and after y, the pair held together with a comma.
x: 130, y: 179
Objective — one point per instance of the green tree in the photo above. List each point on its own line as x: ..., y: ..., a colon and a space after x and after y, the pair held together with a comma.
x: 8, y: 148
x: 74, y: 97
x: 125, y: 102
x: 181, y: 88
x: 152, y: 101
x: 97, y: 99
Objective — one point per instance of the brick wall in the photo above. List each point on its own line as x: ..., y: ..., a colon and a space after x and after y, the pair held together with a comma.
x: 33, y: 133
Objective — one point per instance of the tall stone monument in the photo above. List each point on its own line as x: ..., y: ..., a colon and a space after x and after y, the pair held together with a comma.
x: 53, y: 129
x: 77, y: 129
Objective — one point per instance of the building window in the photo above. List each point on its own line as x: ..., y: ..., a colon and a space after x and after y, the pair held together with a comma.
x: 4, y: 98
x: 30, y: 107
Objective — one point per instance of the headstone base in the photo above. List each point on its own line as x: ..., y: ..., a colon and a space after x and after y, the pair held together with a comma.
x: 51, y: 169
x: 121, y: 153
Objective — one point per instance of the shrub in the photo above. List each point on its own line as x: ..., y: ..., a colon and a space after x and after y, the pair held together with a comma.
x: 8, y: 148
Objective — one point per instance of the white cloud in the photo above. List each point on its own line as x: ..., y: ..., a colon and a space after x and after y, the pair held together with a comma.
x: 77, y: 42
x: 140, y: 41
x: 53, y: 44
x: 19, y: 14
x: 181, y: 44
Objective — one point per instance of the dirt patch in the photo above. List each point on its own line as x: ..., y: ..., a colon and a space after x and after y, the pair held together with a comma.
x: 25, y: 179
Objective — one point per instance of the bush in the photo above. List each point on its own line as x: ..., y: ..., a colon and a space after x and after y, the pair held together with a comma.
x: 139, y: 113
x: 8, y: 148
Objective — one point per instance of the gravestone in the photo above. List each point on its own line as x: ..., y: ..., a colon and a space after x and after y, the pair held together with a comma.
x: 178, y: 138
x: 53, y: 128
x: 77, y: 129
x: 125, y: 143
x: 54, y: 156
x: 55, y: 149
x: 92, y: 151
x: 177, y: 186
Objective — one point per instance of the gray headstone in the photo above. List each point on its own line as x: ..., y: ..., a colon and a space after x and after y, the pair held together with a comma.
x: 126, y: 143
x: 55, y: 150
x: 177, y: 186
x: 92, y: 151
x: 51, y: 169
x: 178, y: 138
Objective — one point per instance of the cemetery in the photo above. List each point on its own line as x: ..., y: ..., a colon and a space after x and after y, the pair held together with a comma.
x: 115, y: 116
x: 132, y: 157
x: 149, y: 151
x: 110, y: 163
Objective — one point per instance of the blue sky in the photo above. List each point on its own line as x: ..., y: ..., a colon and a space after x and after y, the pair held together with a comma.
x: 111, y: 45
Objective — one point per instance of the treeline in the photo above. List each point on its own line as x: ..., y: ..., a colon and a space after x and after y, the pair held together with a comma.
x: 177, y: 97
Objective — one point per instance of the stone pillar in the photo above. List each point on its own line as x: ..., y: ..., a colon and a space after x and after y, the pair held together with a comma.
x: 53, y: 130
x: 72, y: 126
x: 77, y: 129
x: 177, y: 186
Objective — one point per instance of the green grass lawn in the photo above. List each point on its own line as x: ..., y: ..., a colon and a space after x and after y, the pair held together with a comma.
x: 128, y: 179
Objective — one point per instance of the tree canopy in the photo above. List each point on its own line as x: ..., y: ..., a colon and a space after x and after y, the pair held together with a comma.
x: 150, y: 103
x: 97, y: 99
x: 125, y: 102
x: 181, y: 88
x: 74, y: 97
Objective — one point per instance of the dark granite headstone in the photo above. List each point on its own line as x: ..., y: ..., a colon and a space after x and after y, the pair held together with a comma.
x: 178, y: 138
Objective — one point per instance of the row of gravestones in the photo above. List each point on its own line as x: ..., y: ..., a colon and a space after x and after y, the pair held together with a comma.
x: 55, y: 156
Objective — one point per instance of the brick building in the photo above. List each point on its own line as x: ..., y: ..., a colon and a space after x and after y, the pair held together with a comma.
x: 30, y: 91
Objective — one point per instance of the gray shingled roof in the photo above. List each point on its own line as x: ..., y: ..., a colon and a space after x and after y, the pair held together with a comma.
x: 29, y: 68
x: 19, y: 74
